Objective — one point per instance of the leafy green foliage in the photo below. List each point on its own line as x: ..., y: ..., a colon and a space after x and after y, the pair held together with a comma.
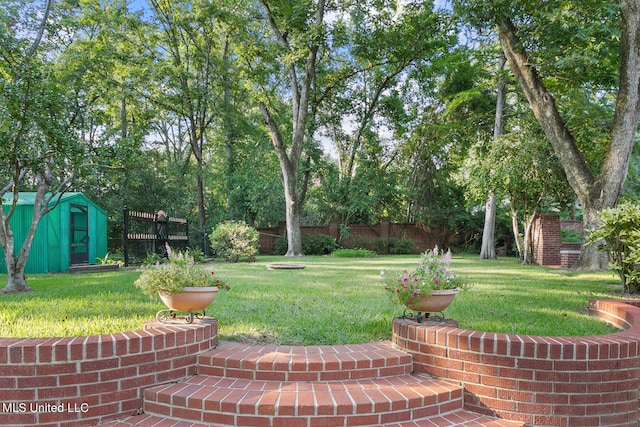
x: 232, y: 240
x: 319, y: 244
x: 353, y: 253
x: 153, y: 259
x: 172, y: 277
x: 433, y: 273
x: 570, y: 235
x: 620, y: 230
x: 401, y: 245
x: 520, y: 165
x: 631, y: 189
x: 110, y: 259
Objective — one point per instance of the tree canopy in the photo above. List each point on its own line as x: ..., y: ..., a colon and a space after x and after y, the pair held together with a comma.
x: 314, y: 111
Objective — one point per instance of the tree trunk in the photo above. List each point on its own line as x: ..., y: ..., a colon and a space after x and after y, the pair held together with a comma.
x: 196, y: 140
x: 516, y: 233
x: 290, y: 159
x: 289, y: 175
x: 16, y: 281
x: 202, y: 214
x: 123, y: 118
x: 292, y: 216
x: 590, y: 257
x: 594, y: 192
x: 527, y: 243
x: 228, y: 129
x: 488, y: 249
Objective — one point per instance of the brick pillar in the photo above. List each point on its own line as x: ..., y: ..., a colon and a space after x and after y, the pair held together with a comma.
x: 547, y: 240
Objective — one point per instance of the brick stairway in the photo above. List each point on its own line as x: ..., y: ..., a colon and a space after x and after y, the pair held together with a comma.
x: 324, y: 386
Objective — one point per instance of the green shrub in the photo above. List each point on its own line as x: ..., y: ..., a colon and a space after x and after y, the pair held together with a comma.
x: 196, y: 254
x: 402, y: 245
x: 366, y: 242
x: 318, y: 244
x: 382, y: 245
x: 280, y: 245
x: 109, y: 259
x: 353, y: 253
x: 176, y: 273
x: 312, y: 244
x: 153, y: 259
x: 570, y: 235
x: 619, y: 237
x: 234, y: 239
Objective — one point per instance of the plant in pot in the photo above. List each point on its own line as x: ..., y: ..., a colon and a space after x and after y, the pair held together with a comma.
x: 182, y: 285
x: 429, y: 288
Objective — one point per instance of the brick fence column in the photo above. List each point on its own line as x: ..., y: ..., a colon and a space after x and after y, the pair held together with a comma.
x: 547, y: 240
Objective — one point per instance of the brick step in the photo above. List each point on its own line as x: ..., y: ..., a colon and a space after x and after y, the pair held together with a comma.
x: 458, y: 418
x: 316, y: 386
x: 314, y: 363
x: 239, y: 402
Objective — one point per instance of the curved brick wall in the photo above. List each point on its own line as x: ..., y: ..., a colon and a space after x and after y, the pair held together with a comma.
x: 82, y: 381
x: 542, y: 381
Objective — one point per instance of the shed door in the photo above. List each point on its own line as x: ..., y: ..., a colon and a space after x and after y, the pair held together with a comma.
x: 79, y: 234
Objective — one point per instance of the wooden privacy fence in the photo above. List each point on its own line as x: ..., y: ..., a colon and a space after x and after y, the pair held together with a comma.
x: 377, y: 237
x: 147, y: 233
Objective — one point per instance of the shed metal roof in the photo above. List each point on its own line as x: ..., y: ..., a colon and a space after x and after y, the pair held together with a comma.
x: 28, y: 198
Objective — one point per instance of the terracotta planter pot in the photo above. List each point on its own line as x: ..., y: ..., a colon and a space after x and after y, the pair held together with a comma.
x: 190, y: 299
x: 434, y: 303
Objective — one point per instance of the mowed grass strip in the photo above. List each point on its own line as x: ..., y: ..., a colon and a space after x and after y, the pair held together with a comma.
x: 330, y: 301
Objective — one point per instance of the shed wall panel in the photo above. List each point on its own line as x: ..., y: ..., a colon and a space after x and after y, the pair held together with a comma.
x: 50, y: 250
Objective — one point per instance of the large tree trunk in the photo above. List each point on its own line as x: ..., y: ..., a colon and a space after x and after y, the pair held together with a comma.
x: 292, y: 216
x: 289, y: 175
x: 488, y: 249
x: 290, y: 159
x: 594, y: 192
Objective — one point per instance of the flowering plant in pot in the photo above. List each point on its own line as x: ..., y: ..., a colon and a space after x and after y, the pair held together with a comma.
x: 430, y: 287
x: 181, y: 283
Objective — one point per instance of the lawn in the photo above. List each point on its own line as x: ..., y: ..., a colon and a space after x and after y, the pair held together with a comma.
x: 331, y: 301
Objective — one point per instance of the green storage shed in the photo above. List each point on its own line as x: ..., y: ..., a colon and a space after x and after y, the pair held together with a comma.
x: 73, y: 233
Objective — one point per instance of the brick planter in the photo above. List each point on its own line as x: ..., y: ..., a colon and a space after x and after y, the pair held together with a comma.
x: 82, y: 381
x: 542, y: 381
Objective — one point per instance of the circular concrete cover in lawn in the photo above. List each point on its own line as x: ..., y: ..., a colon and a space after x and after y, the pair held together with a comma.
x: 285, y: 266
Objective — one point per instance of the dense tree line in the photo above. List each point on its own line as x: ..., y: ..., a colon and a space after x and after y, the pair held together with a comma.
x: 315, y: 110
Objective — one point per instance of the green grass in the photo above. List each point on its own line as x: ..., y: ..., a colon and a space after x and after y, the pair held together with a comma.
x: 331, y: 301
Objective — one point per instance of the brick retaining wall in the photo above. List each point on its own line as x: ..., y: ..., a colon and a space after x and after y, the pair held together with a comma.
x: 542, y: 381
x: 81, y: 381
